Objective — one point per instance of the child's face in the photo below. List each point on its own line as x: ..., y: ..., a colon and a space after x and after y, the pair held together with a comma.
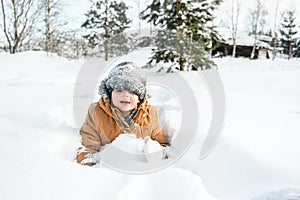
x: 124, y: 100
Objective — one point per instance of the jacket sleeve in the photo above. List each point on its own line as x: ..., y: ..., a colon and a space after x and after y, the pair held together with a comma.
x: 158, y: 133
x: 90, y: 137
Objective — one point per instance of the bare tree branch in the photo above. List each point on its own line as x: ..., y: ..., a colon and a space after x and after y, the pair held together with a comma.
x: 4, y: 25
x: 19, y: 17
x: 235, y: 12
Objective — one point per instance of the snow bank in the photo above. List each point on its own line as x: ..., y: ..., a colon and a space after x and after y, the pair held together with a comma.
x: 258, y: 151
x: 38, y: 141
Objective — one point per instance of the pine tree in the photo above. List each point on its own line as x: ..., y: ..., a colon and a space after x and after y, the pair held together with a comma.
x: 287, y: 32
x: 185, y: 32
x: 106, y: 22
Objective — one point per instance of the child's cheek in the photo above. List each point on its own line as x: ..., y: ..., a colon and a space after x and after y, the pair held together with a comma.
x: 135, y: 100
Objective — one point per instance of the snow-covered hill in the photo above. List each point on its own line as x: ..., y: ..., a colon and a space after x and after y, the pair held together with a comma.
x: 257, y: 153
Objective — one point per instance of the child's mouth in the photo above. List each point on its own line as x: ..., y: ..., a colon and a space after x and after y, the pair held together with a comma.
x: 125, y: 102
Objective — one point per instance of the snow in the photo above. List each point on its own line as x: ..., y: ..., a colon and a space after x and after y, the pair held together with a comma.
x: 257, y: 155
x: 129, y: 143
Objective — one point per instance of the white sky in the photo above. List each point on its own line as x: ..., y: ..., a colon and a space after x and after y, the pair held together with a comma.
x: 270, y: 5
x: 75, y: 10
x: 78, y: 8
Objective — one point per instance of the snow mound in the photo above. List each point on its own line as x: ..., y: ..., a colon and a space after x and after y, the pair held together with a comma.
x: 129, y: 143
x: 172, y: 183
x: 149, y: 149
x: 282, y: 194
x: 258, y: 152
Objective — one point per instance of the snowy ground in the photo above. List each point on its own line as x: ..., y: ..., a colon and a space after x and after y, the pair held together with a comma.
x: 257, y: 156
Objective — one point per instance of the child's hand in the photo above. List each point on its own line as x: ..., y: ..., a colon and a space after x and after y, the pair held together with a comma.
x: 85, y: 158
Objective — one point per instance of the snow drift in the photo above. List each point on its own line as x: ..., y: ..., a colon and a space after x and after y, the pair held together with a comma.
x: 257, y: 154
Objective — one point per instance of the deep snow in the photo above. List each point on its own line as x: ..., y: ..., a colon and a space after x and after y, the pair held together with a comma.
x: 257, y: 153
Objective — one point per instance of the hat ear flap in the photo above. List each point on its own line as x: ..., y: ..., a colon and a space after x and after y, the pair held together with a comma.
x: 146, y: 95
x: 103, y: 90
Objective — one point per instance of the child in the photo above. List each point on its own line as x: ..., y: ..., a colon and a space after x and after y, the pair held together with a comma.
x: 122, y: 108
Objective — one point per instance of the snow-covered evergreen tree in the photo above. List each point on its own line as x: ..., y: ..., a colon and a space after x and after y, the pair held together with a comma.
x: 185, y: 31
x: 287, y: 32
x: 106, y: 21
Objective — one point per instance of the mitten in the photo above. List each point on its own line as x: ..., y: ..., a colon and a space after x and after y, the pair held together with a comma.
x: 85, y: 158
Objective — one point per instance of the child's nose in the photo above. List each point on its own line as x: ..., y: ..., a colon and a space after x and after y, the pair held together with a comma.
x: 126, y: 93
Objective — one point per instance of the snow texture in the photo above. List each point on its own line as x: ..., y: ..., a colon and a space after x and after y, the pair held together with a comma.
x: 258, y: 152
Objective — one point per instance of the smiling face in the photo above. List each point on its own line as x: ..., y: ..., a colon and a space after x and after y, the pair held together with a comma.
x: 124, y: 101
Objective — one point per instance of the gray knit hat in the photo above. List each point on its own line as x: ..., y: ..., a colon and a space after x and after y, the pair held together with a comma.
x: 124, y: 76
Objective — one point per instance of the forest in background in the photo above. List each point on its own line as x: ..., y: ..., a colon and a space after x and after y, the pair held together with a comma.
x: 178, y: 29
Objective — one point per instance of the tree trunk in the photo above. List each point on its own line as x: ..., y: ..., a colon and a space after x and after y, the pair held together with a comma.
x: 106, y: 32
x: 274, y: 32
x: 47, y: 38
x: 234, y: 50
x: 181, y: 65
x: 5, y: 28
x: 179, y: 21
x: 253, y: 50
x: 15, y: 26
x: 234, y: 23
x: 290, y: 50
